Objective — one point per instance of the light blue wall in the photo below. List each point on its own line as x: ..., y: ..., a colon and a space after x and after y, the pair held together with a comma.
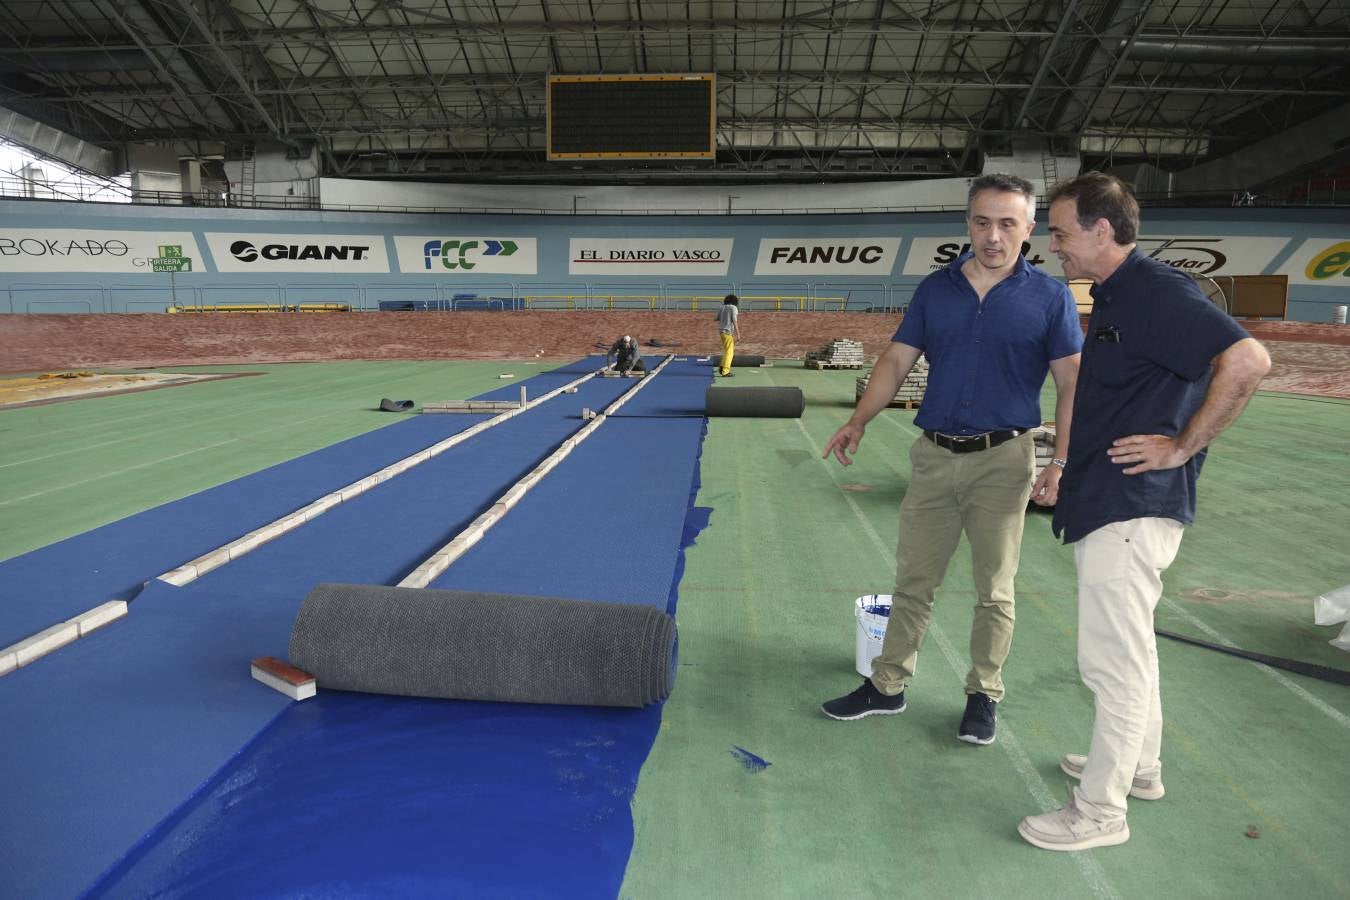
x: 65, y: 291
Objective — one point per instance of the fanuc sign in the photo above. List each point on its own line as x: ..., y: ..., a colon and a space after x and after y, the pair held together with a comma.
x: 827, y: 256
x: 65, y: 250
x: 467, y: 255
x: 342, y: 253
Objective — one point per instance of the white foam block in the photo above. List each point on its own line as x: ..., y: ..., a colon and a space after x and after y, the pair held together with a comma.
x: 180, y: 576
x: 99, y: 616
x: 283, y: 677
x: 44, y: 642
x: 212, y: 560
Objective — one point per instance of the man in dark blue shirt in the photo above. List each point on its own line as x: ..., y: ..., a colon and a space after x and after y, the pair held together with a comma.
x: 991, y: 326
x: 1163, y: 373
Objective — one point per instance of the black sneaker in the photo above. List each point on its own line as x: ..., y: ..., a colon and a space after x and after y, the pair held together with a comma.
x: 865, y: 701
x: 978, y: 724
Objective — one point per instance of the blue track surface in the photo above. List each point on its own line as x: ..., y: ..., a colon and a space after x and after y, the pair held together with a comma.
x: 405, y: 797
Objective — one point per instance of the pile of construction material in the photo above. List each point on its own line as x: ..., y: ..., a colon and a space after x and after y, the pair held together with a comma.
x: 912, y: 389
x: 841, y: 353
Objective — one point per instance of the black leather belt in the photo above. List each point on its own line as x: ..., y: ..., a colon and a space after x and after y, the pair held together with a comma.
x: 969, y: 443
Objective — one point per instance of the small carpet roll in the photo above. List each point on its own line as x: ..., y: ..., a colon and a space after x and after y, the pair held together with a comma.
x: 763, y: 402
x: 473, y: 646
x: 743, y: 359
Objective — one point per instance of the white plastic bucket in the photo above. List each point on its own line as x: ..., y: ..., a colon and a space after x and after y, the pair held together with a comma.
x: 1338, y: 315
x: 872, y: 613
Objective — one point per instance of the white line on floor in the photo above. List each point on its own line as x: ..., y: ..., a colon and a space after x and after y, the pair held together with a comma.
x: 66, y: 485
x: 1087, y: 864
x: 1282, y: 679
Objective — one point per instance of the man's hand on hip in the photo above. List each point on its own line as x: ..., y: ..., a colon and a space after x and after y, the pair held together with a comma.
x: 1146, y: 452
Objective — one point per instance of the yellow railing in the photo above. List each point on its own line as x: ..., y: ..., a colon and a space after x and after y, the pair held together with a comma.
x: 263, y: 308
x: 695, y: 303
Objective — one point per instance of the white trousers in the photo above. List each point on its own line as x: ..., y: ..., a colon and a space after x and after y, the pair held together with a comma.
x: 1120, y: 570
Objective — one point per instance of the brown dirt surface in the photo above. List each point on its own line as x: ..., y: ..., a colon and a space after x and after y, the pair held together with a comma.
x: 1322, y: 370
x: 1310, y: 358
x: 53, y: 387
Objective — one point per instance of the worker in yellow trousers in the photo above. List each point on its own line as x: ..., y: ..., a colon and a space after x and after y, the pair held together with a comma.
x: 729, y: 331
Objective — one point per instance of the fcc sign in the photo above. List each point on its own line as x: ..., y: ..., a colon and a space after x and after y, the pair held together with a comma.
x: 466, y: 254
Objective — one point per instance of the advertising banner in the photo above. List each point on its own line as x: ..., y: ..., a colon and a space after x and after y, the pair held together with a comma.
x: 65, y: 250
x: 649, y: 256
x: 1323, y: 261
x: 1214, y: 255
x: 308, y: 253
x: 927, y: 254
x: 467, y: 254
x: 1201, y: 254
x: 827, y: 256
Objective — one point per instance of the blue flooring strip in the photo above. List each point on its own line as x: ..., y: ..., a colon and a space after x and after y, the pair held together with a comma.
x: 52, y: 584
x: 149, y: 711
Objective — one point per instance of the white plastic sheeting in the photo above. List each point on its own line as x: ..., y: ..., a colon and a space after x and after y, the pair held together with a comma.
x: 1331, y: 608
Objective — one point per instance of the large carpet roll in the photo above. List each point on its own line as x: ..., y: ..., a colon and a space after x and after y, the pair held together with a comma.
x: 744, y: 359
x: 471, y: 646
x: 766, y: 402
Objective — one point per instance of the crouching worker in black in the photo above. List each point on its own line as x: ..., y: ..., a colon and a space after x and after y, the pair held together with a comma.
x: 628, y: 357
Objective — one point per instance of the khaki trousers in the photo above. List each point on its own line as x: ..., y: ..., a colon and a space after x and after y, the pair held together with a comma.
x: 985, y: 495
x: 1120, y: 570
x: 728, y: 351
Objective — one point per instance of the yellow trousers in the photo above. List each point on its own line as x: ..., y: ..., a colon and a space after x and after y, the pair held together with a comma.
x: 728, y: 351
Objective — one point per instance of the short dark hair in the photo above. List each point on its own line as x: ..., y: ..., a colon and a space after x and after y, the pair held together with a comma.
x: 1101, y: 196
x: 1011, y: 184
x: 732, y: 299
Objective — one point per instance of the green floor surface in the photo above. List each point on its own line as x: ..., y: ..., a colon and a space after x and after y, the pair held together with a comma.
x: 71, y: 466
x: 896, y: 806
x: 883, y: 807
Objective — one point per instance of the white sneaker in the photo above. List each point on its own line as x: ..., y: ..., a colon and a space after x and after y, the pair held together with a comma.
x: 1141, y: 788
x: 1069, y: 828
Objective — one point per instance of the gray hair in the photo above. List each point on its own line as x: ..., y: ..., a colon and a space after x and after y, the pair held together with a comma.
x: 1010, y: 184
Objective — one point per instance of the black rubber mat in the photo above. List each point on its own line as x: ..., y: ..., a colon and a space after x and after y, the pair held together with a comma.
x: 762, y: 402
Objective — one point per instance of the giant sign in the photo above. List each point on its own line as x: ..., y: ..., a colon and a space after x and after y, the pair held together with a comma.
x: 467, y: 254
x: 62, y: 250
x: 649, y: 256
x: 827, y: 256
x: 1321, y: 261
x: 337, y: 253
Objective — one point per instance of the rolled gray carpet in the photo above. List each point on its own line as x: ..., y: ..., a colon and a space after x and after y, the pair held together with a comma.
x: 471, y: 646
x: 743, y: 359
x: 766, y: 402
x: 388, y: 405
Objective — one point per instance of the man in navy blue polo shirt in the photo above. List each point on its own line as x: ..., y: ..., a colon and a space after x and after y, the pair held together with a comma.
x: 991, y: 326
x: 1163, y: 373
